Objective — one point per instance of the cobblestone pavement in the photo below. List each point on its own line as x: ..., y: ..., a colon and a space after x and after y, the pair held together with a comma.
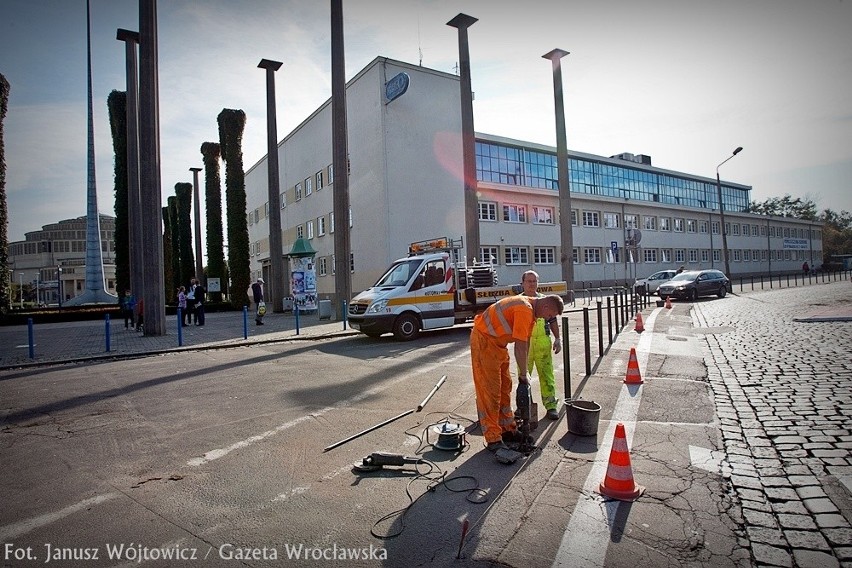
x: 783, y: 394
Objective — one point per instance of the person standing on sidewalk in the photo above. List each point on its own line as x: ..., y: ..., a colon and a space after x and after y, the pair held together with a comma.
x: 200, y: 298
x: 181, y: 304
x: 190, y: 303
x: 540, y: 355
x: 128, y: 307
x: 509, y: 320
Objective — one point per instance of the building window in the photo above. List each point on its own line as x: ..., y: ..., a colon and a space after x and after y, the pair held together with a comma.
x: 514, y: 213
x: 266, y: 210
x: 665, y: 224
x: 666, y: 255
x: 283, y: 198
x: 612, y: 220
x: 745, y: 230
x: 298, y: 192
x: 678, y: 225
x: 693, y: 256
x: 691, y: 226
x: 755, y: 230
x: 714, y: 227
x: 746, y: 255
x: 735, y: 229
x: 323, y: 266
x: 680, y: 255
x: 489, y: 254
x: 650, y: 255
x: 574, y: 217
x: 300, y: 232
x: 542, y: 215
x: 331, y: 222
x: 591, y: 219
x: 320, y: 226
x: 702, y: 227
x: 736, y: 254
x: 705, y: 255
x: 650, y: 223
x: 544, y: 255
x: 631, y: 221
x: 516, y: 255
x: 717, y: 255
x: 330, y: 170
x: 318, y: 177
x: 308, y: 186
x: 310, y: 225
x: 250, y: 218
x: 592, y: 255
x: 575, y: 255
x: 487, y: 211
x: 351, y: 262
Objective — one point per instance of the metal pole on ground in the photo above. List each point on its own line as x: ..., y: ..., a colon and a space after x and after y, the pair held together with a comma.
x: 245, y: 322
x: 106, y: 330
x: 180, y: 327
x: 296, y: 313
x: 345, y: 313
x: 30, y: 336
x: 566, y: 360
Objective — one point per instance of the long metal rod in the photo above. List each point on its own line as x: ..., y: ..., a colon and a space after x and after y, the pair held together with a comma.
x: 389, y: 420
x: 434, y: 390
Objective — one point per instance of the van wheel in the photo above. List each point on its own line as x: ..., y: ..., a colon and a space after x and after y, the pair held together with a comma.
x: 722, y: 291
x: 406, y: 327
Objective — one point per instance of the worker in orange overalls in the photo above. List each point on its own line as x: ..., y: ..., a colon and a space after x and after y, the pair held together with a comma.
x: 509, y: 320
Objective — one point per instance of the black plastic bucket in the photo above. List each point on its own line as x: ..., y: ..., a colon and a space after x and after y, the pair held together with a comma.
x: 583, y: 417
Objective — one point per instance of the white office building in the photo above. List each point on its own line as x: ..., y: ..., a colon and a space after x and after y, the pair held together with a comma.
x: 629, y: 218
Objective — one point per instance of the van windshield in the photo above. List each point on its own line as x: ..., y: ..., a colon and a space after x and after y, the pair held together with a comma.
x: 399, y: 273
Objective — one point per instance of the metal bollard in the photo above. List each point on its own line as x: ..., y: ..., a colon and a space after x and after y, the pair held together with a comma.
x: 566, y: 359
x: 587, y: 342
x: 296, y: 313
x: 345, y: 314
x: 30, y: 338
x: 245, y: 322
x: 600, y: 329
x: 180, y: 327
x: 106, y: 330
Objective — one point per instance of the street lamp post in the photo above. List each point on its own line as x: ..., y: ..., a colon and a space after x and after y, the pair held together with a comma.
x: 722, y: 213
x: 21, y: 277
x: 59, y: 284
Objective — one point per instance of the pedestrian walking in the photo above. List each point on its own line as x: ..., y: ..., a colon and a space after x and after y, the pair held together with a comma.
x: 128, y: 307
x: 181, y: 304
x: 806, y: 268
x: 509, y: 320
x: 200, y: 299
x: 542, y: 348
x: 255, y: 293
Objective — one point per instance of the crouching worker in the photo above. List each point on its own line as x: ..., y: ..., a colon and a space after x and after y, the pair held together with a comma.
x: 509, y: 320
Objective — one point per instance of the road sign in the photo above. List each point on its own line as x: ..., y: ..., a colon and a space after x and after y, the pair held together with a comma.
x: 614, y: 246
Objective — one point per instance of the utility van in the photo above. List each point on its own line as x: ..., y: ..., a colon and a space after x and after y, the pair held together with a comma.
x: 431, y: 289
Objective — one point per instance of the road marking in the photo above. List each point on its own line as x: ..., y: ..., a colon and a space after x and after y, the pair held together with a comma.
x: 222, y: 452
x: 15, y: 530
x: 589, y: 530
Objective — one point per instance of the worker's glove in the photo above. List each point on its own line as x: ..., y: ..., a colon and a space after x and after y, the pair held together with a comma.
x: 525, y: 379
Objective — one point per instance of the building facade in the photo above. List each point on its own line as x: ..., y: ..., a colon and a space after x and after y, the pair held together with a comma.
x: 52, y: 261
x: 629, y: 218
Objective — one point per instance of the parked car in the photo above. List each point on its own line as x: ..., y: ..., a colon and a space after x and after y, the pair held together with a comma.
x: 694, y: 283
x: 650, y: 284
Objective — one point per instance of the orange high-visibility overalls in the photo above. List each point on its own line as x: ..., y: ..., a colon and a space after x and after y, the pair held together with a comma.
x: 508, y: 320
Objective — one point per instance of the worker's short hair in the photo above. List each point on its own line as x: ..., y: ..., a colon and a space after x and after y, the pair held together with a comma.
x: 555, y: 301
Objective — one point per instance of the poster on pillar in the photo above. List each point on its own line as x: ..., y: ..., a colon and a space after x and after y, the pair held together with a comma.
x: 303, y: 283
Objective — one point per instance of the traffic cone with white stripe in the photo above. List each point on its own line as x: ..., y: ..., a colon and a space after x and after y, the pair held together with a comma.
x: 633, y: 377
x: 618, y: 482
x: 668, y: 302
x: 640, y: 327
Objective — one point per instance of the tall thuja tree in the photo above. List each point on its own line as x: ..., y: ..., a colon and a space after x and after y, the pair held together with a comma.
x: 175, y: 246
x: 168, y: 253
x: 213, y: 201
x: 5, y: 295
x: 117, y: 103
x: 183, y: 191
x: 231, y: 124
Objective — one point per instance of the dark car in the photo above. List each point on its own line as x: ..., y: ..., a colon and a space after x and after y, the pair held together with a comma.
x: 694, y: 283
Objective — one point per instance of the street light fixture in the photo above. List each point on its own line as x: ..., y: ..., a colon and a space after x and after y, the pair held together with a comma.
x: 59, y: 285
x: 21, y: 277
x: 722, y: 213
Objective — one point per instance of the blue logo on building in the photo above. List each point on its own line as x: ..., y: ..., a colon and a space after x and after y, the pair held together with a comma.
x: 397, y: 86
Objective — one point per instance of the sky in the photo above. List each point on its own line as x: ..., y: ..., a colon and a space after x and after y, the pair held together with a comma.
x: 683, y: 81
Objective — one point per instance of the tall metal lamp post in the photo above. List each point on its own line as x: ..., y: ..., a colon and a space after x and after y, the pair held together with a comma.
x: 21, y: 278
x: 722, y: 213
x: 59, y: 284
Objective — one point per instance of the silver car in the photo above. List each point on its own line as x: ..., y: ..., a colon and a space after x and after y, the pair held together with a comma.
x: 650, y: 284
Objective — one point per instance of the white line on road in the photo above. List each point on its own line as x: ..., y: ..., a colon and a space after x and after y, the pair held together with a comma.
x: 15, y: 530
x: 588, y: 534
x: 222, y: 452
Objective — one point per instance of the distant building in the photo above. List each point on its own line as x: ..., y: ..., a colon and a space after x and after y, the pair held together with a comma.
x: 629, y: 218
x: 58, y: 248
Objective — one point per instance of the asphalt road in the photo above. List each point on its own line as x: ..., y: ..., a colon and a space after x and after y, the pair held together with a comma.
x: 216, y: 457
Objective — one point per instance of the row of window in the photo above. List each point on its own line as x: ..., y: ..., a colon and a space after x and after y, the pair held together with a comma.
x: 318, y: 227
x: 519, y: 255
x: 37, y: 247
x: 514, y: 165
x: 517, y: 213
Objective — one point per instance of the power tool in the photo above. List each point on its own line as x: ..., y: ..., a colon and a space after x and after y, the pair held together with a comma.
x: 379, y: 460
x: 524, y: 417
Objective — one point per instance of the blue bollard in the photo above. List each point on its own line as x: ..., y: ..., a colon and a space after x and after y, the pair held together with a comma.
x: 180, y: 327
x: 30, y: 337
x: 296, y: 313
x: 106, y: 331
x: 245, y: 322
x: 344, y: 315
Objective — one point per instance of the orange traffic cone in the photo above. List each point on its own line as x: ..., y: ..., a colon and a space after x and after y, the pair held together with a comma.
x: 668, y: 302
x: 640, y: 327
x: 633, y: 377
x: 618, y: 483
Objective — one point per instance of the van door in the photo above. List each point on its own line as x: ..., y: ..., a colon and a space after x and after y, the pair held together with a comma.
x: 434, y: 298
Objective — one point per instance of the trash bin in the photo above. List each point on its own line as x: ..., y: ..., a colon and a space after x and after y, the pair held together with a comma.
x: 583, y: 416
x: 288, y: 304
x: 325, y: 309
